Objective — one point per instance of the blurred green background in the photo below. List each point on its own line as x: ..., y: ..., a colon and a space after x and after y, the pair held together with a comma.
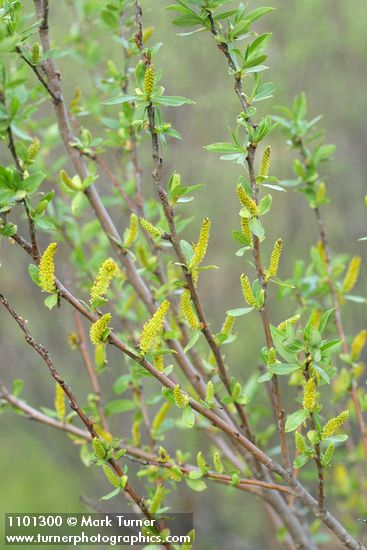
x: 318, y: 46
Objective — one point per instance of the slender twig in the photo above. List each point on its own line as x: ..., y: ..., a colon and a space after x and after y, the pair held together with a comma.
x: 91, y: 371
x: 169, y: 214
x: 336, y: 302
x: 134, y: 453
x: 277, y: 400
x: 74, y: 405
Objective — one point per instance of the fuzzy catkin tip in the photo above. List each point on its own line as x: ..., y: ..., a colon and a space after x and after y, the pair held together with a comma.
x: 265, y: 162
x: 157, y: 499
x: 149, y: 79
x: 245, y: 200
x: 358, y: 344
x: 291, y: 321
x: 275, y: 258
x: 247, y: 291
x: 160, y: 416
x: 181, y: 399
x: 114, y: 481
x: 99, y: 448
x: 352, y: 274
x: 60, y: 407
x: 246, y: 231
x: 47, y: 269
x: 150, y: 228
x: 153, y: 327
x: 333, y: 424
x: 98, y: 328
x: 228, y: 324
x: 202, y: 244
x: 106, y: 273
x: 300, y: 442
x: 309, y: 395
x: 188, y: 311
x: 33, y: 149
x: 131, y: 232
x: 209, y: 394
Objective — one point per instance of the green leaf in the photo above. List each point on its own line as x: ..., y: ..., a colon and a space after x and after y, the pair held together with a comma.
x: 194, y: 338
x: 238, y: 312
x: 281, y: 369
x: 119, y: 406
x: 265, y: 377
x: 188, y: 417
x: 112, y: 494
x: 223, y: 148
x: 300, y: 461
x: 51, y: 300
x: 257, y: 228
x: 196, y: 484
x: 119, y: 99
x: 34, y: 274
x: 294, y: 420
x: 172, y: 100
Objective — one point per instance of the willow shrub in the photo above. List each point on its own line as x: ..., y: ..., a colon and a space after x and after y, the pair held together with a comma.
x: 139, y: 289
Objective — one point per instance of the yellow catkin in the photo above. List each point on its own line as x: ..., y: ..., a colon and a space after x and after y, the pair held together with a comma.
x: 291, y: 321
x: 314, y: 374
x: 106, y: 273
x: 274, y: 259
x: 272, y: 356
x: 228, y: 324
x: 131, y: 232
x: 176, y: 181
x: 202, y: 243
x: 153, y: 327
x: 333, y: 424
x: 245, y: 200
x: 309, y: 394
x: 247, y: 291
x: 98, y: 328
x: 188, y: 311
x: 321, y: 191
x: 300, y: 442
x: 135, y: 433
x: 72, y: 184
x: 73, y: 340
x: 99, y: 448
x: 158, y: 360
x: 328, y: 455
x: 351, y: 276
x: 218, y: 463
x: 60, y: 402
x: 265, y: 163
x: 33, y: 149
x: 157, y: 499
x: 209, y: 394
x: 150, y: 228
x: 75, y: 102
x: 315, y: 318
x: 149, y: 78
x: 160, y: 416
x: 245, y: 226
x: 181, y: 399
x: 115, y: 482
x: 47, y: 269
x: 147, y: 33
x: 36, y: 51
x: 142, y: 255
x: 358, y: 343
x: 321, y: 250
